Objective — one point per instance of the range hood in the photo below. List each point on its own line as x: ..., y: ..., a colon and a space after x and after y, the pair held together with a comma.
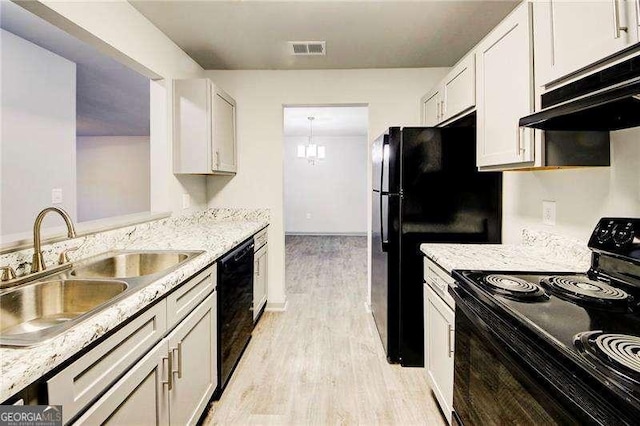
x: 604, y: 101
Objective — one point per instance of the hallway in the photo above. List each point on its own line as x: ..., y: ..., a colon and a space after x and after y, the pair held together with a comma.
x: 321, y: 361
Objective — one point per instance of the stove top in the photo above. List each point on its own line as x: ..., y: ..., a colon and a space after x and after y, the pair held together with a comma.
x: 584, y: 290
x: 561, y: 306
x: 592, y: 319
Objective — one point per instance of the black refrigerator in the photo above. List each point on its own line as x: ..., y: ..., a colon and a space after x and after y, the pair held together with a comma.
x: 426, y: 189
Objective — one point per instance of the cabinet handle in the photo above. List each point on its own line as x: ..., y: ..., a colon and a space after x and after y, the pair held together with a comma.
x: 169, y: 381
x: 258, y: 266
x: 521, y: 147
x: 449, y: 339
x: 616, y: 20
x: 443, y: 108
x: 180, y: 359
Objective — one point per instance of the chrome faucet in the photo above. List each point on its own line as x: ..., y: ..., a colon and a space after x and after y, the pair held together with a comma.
x: 37, y: 264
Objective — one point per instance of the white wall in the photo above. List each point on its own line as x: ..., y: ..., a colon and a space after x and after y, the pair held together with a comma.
x: 112, y: 176
x: 38, y: 104
x: 582, y: 196
x: 124, y: 30
x: 333, y: 191
x: 393, y: 97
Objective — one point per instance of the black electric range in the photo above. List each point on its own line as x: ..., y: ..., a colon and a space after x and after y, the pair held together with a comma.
x: 553, y: 347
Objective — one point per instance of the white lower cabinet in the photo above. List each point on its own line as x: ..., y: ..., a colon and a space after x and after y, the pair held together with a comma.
x: 440, y: 347
x: 139, y: 398
x: 193, y: 349
x: 172, y: 384
x: 261, y: 258
x: 439, y: 335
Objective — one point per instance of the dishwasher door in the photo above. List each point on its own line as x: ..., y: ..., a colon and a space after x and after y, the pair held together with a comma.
x: 235, y: 309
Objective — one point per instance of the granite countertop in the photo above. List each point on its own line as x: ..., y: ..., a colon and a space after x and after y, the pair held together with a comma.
x: 539, y: 252
x: 216, y: 231
x: 499, y: 257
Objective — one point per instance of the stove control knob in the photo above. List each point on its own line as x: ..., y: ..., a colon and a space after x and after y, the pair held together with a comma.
x: 623, y: 234
x: 603, y: 234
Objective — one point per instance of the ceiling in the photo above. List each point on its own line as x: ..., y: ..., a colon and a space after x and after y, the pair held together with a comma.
x: 359, y: 34
x: 111, y: 99
x: 328, y: 121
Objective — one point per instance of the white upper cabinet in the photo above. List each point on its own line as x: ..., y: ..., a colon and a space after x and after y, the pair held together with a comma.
x: 224, y: 131
x: 454, y: 95
x: 204, y: 128
x: 504, y: 91
x: 459, y: 88
x: 432, y: 107
x: 572, y: 35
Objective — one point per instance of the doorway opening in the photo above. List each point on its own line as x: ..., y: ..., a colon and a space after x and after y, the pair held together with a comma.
x: 325, y: 194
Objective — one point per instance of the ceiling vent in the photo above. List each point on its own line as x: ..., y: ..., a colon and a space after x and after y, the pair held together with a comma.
x: 307, y: 48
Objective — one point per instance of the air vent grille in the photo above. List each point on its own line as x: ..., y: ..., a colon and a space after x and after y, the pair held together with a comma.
x: 307, y: 48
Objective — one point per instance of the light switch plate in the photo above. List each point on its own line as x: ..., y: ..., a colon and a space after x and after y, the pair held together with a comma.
x: 56, y: 196
x: 186, y: 201
x: 308, y: 215
x: 549, y: 213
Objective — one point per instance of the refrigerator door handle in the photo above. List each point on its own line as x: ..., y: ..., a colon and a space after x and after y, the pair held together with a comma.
x: 385, y: 244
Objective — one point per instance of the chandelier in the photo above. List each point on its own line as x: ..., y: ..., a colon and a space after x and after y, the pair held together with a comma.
x: 311, y: 151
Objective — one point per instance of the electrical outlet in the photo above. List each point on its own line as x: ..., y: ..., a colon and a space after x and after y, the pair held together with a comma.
x: 308, y: 215
x: 56, y: 196
x: 186, y: 201
x: 549, y: 213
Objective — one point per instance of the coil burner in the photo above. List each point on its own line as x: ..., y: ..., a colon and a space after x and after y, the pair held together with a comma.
x: 515, y: 288
x: 619, y: 352
x: 583, y: 290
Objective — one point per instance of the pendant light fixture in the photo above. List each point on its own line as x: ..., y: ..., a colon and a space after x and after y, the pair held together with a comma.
x: 311, y: 151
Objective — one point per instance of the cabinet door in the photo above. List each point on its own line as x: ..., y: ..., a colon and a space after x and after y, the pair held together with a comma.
x: 81, y: 382
x: 460, y: 88
x: 260, y: 281
x: 139, y: 398
x: 439, y: 346
x: 193, y: 345
x: 572, y: 35
x: 504, y: 91
x: 431, y: 107
x: 223, y: 131
x: 191, y: 128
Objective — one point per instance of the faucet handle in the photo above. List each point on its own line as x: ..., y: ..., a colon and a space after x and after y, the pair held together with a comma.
x: 63, y: 257
x: 8, y: 273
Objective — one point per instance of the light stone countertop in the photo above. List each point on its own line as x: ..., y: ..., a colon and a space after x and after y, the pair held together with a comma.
x: 499, y: 257
x: 216, y: 231
x: 540, y: 252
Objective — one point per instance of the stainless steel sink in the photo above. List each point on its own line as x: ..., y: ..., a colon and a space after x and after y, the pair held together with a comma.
x: 36, y: 311
x: 32, y: 313
x: 130, y: 264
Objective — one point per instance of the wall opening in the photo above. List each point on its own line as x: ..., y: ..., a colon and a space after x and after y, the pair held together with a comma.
x: 325, y: 170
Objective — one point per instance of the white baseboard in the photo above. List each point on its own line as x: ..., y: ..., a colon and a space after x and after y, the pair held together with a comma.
x: 327, y: 234
x: 276, y: 306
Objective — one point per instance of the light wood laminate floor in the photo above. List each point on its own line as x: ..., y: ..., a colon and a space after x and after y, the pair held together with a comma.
x: 322, y: 362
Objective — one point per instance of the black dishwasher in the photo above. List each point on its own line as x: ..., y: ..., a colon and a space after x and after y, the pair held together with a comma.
x: 235, y: 314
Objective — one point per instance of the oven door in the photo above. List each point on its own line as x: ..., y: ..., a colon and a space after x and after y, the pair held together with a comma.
x: 491, y: 386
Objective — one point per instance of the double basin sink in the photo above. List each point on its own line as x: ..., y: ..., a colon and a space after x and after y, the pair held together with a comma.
x: 35, y: 312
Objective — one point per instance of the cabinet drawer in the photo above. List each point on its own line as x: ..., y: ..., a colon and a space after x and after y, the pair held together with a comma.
x: 260, y: 239
x: 77, y: 385
x: 189, y: 295
x: 438, y: 280
x: 433, y: 271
